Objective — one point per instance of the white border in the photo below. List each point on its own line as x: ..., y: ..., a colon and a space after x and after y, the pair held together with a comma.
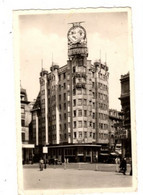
x: 8, y: 182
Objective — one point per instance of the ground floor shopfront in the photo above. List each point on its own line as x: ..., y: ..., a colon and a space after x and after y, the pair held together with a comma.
x: 27, y: 153
x: 71, y: 152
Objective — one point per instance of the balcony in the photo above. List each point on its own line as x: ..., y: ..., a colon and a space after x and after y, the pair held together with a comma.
x: 80, y: 85
x: 79, y: 75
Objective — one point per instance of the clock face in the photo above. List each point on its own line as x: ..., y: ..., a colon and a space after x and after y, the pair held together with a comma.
x: 76, y: 34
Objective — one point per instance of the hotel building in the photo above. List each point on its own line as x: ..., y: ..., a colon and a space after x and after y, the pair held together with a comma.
x: 71, y: 113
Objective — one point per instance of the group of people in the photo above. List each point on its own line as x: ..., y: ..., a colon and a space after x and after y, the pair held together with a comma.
x: 121, y: 166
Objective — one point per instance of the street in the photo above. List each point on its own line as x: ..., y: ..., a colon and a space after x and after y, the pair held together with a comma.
x: 60, y: 177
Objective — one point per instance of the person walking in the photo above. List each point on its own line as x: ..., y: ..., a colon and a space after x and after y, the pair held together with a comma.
x: 117, y: 162
x: 123, y: 166
x: 41, y: 163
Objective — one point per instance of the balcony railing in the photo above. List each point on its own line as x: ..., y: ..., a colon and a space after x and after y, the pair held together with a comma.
x: 79, y: 75
x: 80, y: 85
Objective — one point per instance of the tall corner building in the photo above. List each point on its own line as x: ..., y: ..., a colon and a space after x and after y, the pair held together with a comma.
x: 71, y: 113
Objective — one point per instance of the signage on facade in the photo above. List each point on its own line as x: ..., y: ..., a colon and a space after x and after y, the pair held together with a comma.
x: 45, y: 149
x: 122, y: 134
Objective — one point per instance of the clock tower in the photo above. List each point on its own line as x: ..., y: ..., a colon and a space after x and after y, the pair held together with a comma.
x: 77, y: 42
x: 78, y: 66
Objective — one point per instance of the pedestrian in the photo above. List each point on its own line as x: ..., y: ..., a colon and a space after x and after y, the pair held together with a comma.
x: 123, y: 166
x: 131, y: 167
x: 117, y: 162
x: 41, y: 163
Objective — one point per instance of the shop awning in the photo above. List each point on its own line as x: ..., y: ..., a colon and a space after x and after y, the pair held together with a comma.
x: 114, y: 154
x: 28, y: 146
x: 104, y: 154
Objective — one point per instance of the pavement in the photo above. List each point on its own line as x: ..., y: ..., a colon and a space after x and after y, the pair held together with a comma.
x: 74, y: 176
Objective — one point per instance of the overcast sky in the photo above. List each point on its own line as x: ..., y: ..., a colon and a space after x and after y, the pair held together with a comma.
x: 46, y: 34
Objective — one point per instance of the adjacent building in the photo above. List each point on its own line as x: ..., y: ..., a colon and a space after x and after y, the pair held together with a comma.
x: 71, y: 113
x: 125, y: 103
x: 27, y: 146
x: 115, y: 125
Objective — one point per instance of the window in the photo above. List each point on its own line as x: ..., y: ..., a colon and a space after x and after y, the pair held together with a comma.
x: 74, y: 102
x: 74, y: 124
x: 85, y: 102
x: 101, y: 125
x: 64, y: 85
x: 64, y: 96
x: 90, y: 124
x: 90, y: 134
x: 69, y: 124
x: 74, y: 134
x: 85, y: 112
x: 74, y: 92
x: 93, y: 135
x: 80, y: 134
x: 85, y: 134
x: 79, y: 124
x: 93, y: 125
x: 80, y: 62
x: 85, y: 123
x: 59, y: 97
x: 64, y: 106
x: 23, y: 137
x: 64, y: 115
x: 93, y: 115
x: 79, y: 91
x: 74, y: 113
x: 79, y: 102
x: 73, y: 69
x: 59, y: 87
x: 65, y: 126
x: 64, y: 75
x: 93, y: 105
x: 65, y: 135
x: 90, y: 113
x: 84, y: 91
x: 79, y: 112
x: 23, y: 123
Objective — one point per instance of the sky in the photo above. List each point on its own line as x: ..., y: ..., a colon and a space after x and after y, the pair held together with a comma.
x: 43, y: 37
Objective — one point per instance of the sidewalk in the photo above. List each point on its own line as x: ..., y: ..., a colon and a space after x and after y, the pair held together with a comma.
x: 82, y: 166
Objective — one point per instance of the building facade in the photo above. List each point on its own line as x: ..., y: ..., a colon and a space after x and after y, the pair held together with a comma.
x: 115, y: 125
x: 125, y: 103
x: 26, y: 118
x: 71, y: 113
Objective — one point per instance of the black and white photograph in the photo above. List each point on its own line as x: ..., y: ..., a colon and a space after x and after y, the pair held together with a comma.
x: 76, y: 114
